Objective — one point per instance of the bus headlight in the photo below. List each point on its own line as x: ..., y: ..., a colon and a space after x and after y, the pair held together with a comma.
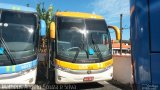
x: 63, y: 69
x: 26, y: 71
x: 109, y: 67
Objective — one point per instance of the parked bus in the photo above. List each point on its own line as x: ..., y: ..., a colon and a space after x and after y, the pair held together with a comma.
x: 19, y: 40
x: 145, y: 17
x: 81, y: 48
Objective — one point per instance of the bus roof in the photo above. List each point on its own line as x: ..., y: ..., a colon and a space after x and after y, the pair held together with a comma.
x: 79, y: 15
x: 16, y: 7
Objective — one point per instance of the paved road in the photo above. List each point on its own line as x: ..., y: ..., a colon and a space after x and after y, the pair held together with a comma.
x: 103, y: 85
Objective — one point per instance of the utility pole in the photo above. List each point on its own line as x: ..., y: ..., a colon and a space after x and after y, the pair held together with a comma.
x: 121, y: 34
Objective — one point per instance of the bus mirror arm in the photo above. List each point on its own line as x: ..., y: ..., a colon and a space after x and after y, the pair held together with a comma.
x: 117, y: 31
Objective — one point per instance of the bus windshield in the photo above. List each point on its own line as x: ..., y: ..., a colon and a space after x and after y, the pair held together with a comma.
x: 17, y: 30
x: 83, y: 40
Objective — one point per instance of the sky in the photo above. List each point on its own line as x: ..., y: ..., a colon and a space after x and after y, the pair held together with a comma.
x: 109, y: 9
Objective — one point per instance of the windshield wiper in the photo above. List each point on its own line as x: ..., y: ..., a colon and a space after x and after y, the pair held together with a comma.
x: 96, y: 48
x: 81, y: 47
x: 9, y: 55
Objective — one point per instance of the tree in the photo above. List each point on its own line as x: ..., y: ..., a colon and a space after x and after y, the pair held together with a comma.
x: 47, y: 16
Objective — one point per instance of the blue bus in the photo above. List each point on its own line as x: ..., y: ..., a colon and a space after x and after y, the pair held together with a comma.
x: 145, y: 30
x: 19, y: 41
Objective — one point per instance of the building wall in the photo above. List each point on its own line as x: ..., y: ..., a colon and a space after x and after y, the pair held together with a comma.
x: 122, y: 69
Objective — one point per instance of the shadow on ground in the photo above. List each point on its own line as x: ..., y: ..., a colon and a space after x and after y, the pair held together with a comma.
x: 120, y: 85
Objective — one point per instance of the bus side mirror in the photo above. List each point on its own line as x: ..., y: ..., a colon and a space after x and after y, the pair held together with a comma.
x: 117, y: 31
x: 52, y: 30
x: 42, y: 28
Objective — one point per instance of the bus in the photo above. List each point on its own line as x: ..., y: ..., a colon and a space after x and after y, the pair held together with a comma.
x: 19, y: 41
x: 144, y: 16
x: 80, y: 48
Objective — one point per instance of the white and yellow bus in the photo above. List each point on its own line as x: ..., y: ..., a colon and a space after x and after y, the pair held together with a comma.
x: 81, y: 48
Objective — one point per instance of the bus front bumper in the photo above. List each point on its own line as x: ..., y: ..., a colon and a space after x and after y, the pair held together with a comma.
x: 62, y: 77
x: 17, y: 80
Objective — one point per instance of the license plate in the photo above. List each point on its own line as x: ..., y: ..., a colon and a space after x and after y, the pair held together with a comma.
x: 88, y: 78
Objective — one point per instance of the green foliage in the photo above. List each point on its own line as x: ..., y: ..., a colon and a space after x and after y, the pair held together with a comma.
x: 45, y: 14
